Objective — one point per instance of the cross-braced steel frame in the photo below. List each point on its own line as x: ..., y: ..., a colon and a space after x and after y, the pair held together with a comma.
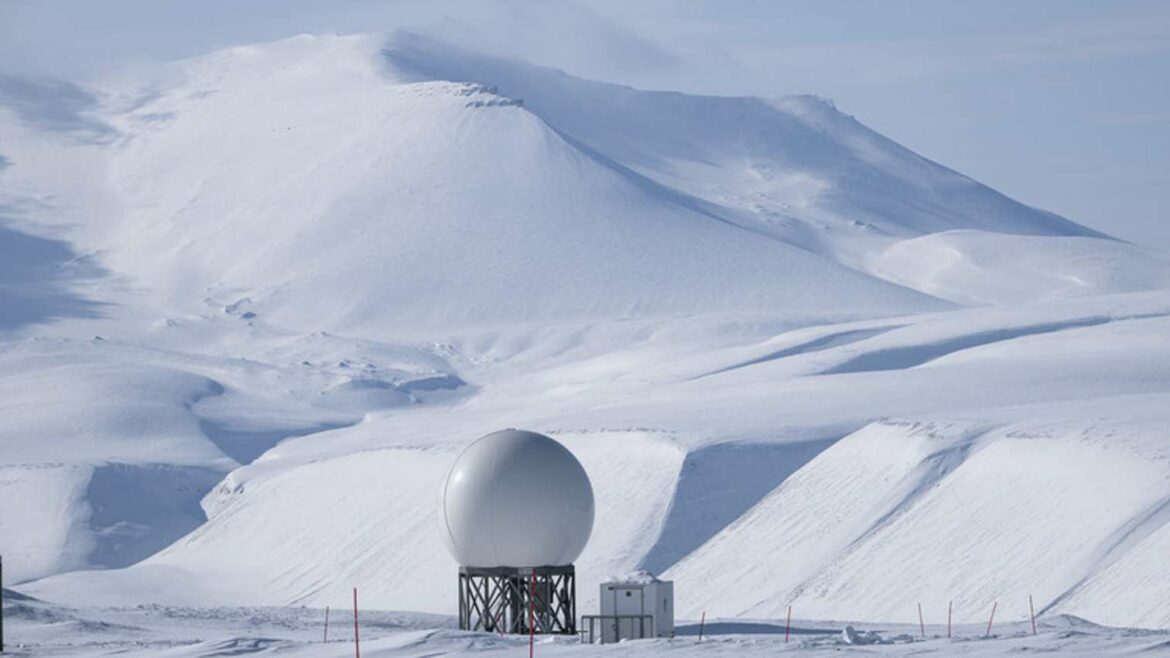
x: 497, y: 600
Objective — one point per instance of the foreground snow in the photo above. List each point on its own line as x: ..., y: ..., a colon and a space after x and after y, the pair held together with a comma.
x: 41, y: 629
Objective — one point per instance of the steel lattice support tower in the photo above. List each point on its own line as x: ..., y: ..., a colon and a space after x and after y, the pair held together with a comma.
x: 497, y: 600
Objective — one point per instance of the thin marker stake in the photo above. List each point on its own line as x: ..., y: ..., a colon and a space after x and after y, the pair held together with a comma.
x: 532, y: 616
x: 357, y: 642
x: 991, y: 618
x: 949, y: 604
x: 788, y: 625
x: 921, y: 624
x: 1032, y: 609
x: 325, y: 637
x: 702, y: 620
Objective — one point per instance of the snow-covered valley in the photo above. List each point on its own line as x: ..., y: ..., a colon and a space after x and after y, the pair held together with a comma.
x: 252, y: 305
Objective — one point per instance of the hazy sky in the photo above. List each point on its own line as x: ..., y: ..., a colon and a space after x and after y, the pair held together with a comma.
x: 1062, y: 104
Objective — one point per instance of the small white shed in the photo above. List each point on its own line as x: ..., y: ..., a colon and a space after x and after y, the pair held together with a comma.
x: 636, y: 606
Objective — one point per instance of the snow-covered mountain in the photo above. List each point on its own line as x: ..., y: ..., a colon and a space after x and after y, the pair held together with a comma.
x: 251, y: 306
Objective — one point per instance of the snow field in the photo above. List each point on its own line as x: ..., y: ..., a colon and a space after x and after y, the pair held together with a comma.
x: 753, y: 525
x: 49, y: 630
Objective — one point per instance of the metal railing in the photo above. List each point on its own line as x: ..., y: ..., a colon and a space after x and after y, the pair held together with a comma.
x: 605, y: 629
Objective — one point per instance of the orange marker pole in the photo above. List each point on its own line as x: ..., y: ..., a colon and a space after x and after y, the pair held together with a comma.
x: 357, y: 642
x: 532, y: 616
x: 325, y: 638
x: 991, y: 618
x: 1032, y: 609
x: 788, y: 625
x: 949, y: 606
x: 702, y: 620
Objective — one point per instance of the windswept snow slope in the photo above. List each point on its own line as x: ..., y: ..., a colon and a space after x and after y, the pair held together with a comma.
x: 794, y: 162
x: 253, y: 305
x: 974, y: 267
x: 432, y: 204
x: 798, y: 169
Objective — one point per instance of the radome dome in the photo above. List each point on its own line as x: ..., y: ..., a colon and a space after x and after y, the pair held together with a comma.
x: 516, y: 499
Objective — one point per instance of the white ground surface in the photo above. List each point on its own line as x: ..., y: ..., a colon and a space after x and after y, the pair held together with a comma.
x: 252, y: 305
x: 157, y: 630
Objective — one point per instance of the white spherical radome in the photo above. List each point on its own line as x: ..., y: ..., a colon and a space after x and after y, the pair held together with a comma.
x: 516, y: 499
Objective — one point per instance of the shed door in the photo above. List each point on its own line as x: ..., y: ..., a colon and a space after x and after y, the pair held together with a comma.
x: 628, y: 601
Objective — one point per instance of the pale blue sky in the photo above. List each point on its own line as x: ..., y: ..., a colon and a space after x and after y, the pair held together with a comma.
x: 1062, y: 104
